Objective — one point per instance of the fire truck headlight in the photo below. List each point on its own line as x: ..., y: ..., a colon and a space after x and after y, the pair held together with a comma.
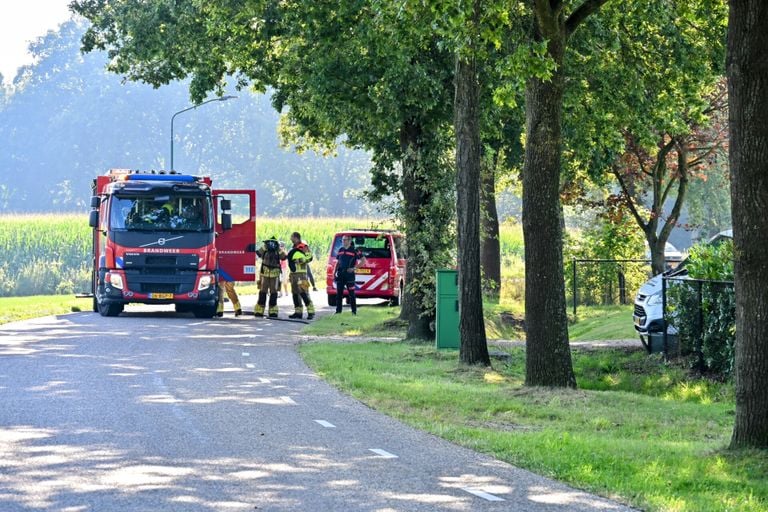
x: 116, y: 280
x: 205, y: 282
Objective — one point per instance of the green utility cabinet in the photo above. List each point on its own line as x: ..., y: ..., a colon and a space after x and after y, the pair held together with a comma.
x: 447, y: 322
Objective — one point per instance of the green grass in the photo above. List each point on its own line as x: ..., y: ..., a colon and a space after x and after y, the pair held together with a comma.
x: 602, y: 323
x: 656, y: 442
x: 13, y: 309
x: 379, y: 320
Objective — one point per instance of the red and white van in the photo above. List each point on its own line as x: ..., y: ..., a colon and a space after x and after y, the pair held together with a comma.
x: 383, y: 275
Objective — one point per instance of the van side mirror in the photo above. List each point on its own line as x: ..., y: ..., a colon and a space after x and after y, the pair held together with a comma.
x: 93, y: 218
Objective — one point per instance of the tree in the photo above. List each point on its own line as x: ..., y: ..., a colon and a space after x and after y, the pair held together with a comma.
x: 747, y: 70
x: 474, y: 348
x: 548, y: 354
x: 661, y: 129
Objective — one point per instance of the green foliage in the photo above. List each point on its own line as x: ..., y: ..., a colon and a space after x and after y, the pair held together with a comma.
x: 606, y: 239
x: 704, y: 310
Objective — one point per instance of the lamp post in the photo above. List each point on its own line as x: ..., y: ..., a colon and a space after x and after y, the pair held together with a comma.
x: 173, y: 117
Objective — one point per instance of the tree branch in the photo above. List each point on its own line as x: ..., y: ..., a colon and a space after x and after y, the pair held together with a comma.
x: 630, y: 203
x: 581, y: 13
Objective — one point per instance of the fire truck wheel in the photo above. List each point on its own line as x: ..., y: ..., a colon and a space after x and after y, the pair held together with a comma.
x: 205, y: 311
x: 331, y: 300
x: 110, y: 309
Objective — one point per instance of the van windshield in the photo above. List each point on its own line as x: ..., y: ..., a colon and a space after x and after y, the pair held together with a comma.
x: 372, y: 246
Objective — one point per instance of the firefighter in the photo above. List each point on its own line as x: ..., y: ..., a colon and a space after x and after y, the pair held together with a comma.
x: 160, y: 214
x: 298, y: 261
x: 347, y: 258
x: 226, y: 284
x: 269, y: 281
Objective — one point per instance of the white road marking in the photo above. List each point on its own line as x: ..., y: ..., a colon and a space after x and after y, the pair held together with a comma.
x: 384, y: 454
x: 482, y: 494
x: 325, y: 424
x: 246, y: 354
x: 249, y: 365
x: 287, y: 400
x: 264, y: 381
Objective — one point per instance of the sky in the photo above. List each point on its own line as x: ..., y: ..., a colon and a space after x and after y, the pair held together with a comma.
x: 22, y: 22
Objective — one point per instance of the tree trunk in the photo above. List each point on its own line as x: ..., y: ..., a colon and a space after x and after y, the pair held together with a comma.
x: 415, y: 194
x: 474, y: 347
x: 747, y: 70
x: 490, y: 247
x: 548, y: 354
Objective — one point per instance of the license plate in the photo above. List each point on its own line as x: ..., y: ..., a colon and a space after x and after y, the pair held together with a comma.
x: 362, y: 271
x: 160, y: 295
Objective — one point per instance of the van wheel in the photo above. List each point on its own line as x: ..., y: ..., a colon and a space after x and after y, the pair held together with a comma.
x: 331, y: 300
x: 398, y: 299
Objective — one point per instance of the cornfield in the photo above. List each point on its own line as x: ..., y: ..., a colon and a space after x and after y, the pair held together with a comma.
x: 48, y: 254
x: 44, y: 254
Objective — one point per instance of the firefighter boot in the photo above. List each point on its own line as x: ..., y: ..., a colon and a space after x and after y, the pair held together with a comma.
x: 298, y: 310
x: 258, y: 310
x: 310, y: 306
x: 273, y: 305
x: 220, y: 305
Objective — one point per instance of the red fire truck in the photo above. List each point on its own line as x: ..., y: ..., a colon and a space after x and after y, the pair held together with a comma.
x: 161, y: 237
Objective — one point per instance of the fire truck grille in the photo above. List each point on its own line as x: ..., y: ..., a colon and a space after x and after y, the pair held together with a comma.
x: 161, y: 261
x: 158, y: 288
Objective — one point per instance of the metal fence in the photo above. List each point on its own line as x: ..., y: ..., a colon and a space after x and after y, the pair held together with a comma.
x: 606, y: 281
x: 699, y: 319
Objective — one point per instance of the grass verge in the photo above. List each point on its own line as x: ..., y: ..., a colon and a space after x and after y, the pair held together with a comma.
x: 13, y: 309
x: 602, y: 323
x: 637, y: 429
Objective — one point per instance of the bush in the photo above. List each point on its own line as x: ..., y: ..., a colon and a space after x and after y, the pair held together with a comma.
x: 703, y: 310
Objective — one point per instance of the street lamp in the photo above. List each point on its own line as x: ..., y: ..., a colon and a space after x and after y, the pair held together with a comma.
x: 223, y: 98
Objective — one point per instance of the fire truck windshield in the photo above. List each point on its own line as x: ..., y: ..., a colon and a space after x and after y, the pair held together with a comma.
x: 165, y: 213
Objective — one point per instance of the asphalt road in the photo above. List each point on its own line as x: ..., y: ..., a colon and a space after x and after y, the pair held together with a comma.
x: 152, y: 411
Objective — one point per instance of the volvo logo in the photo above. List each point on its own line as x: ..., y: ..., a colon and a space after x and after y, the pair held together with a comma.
x: 161, y: 241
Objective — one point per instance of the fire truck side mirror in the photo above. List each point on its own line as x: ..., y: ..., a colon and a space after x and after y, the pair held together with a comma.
x: 226, y: 215
x: 95, y: 201
x: 93, y: 218
x: 226, y: 221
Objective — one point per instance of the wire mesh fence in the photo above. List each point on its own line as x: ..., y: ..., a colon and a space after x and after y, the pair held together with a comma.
x: 699, y: 320
x: 591, y: 282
